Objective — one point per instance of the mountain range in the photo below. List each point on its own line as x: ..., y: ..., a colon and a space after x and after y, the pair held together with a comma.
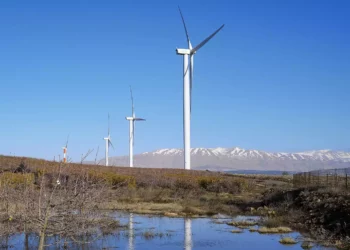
x: 228, y: 159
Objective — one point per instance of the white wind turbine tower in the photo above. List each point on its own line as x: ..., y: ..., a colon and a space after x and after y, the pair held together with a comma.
x: 187, y: 89
x: 132, y: 120
x: 108, y: 142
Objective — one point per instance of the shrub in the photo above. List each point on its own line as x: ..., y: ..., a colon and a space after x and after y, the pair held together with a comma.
x: 113, y: 179
x: 206, y: 181
x: 183, y: 181
x: 273, y: 222
x: 22, y: 168
x: 306, y: 245
x: 16, y: 179
x: 228, y: 185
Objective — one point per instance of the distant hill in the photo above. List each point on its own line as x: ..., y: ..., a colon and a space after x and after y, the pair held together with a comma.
x: 271, y: 172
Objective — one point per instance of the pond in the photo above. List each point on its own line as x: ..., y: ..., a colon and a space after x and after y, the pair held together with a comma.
x: 153, y: 232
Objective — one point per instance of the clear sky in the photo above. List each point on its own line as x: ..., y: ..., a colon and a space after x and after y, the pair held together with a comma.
x: 276, y: 78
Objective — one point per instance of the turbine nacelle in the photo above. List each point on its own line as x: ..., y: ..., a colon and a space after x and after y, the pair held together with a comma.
x: 134, y: 119
x: 183, y: 51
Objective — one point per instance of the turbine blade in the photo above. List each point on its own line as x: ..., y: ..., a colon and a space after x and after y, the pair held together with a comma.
x: 133, y: 133
x: 110, y: 143
x: 206, y: 40
x: 187, y: 36
x: 132, y: 103
x: 67, y: 141
x: 108, y: 124
x: 139, y: 119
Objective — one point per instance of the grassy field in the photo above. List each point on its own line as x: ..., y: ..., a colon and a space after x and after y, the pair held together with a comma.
x: 151, y: 190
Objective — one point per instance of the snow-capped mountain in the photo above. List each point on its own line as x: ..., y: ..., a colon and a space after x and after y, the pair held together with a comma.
x: 239, y: 153
x: 238, y: 158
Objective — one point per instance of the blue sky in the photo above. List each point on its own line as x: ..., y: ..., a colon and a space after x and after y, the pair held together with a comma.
x: 276, y: 78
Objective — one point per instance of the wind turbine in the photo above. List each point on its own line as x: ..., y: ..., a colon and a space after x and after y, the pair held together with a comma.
x: 132, y: 120
x: 65, y: 148
x: 108, y: 142
x: 187, y: 88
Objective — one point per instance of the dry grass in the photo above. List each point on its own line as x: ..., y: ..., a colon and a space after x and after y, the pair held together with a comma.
x: 150, y: 234
x: 15, y: 180
x: 253, y: 229
x: 237, y: 231
x: 263, y: 177
x: 242, y: 224
x: 273, y: 222
x: 167, y: 214
x: 142, y: 190
x: 144, y: 207
x: 135, y: 177
x: 274, y: 230
x: 193, y: 192
x: 287, y: 241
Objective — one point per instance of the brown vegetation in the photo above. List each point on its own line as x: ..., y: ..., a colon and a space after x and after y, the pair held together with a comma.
x: 274, y: 230
x: 244, y: 223
x: 237, y: 231
x: 288, y: 241
x: 198, y: 192
x: 66, y: 199
x: 51, y: 201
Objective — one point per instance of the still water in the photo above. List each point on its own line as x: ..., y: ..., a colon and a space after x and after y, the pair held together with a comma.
x: 149, y: 232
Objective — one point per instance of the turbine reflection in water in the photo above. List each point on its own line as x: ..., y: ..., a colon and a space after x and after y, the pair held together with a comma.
x: 188, y: 234
x: 131, y: 232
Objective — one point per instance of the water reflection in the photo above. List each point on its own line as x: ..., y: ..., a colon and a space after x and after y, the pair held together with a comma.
x: 186, y: 229
x: 170, y: 234
x: 131, y: 232
x: 188, y: 234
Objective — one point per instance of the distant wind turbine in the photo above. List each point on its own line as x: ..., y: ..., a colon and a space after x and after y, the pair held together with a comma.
x: 108, y: 142
x: 65, y: 148
x: 132, y: 120
x: 187, y: 88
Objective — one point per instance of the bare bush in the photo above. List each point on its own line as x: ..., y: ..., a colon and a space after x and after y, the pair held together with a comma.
x: 51, y: 202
